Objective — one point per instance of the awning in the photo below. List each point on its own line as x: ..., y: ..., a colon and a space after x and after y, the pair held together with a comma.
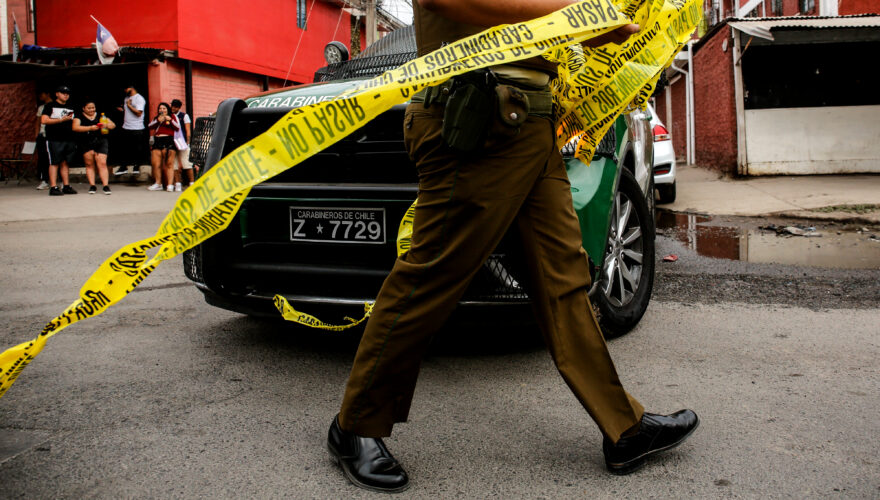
x: 762, y: 27
x: 38, y: 63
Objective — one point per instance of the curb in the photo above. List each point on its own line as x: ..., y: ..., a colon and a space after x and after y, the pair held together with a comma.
x: 872, y: 218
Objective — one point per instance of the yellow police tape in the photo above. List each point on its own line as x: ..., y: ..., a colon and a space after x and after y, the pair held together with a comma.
x: 594, y: 86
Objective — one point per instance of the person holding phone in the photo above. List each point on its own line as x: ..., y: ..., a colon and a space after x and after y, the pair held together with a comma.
x: 164, y: 153
x: 60, y: 146
x: 132, y: 137
x: 88, y: 127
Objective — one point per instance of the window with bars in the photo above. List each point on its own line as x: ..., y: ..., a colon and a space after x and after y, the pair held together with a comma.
x: 777, y: 7
x: 301, y: 13
x: 807, y: 6
x: 711, y: 15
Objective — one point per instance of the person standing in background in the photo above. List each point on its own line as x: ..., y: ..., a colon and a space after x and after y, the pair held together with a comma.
x: 134, y: 136
x: 181, y: 140
x: 163, y: 155
x: 59, y: 140
x: 42, y: 153
x: 89, y: 127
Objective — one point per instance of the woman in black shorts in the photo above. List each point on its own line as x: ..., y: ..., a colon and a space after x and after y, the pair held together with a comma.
x: 164, y: 152
x: 93, y: 142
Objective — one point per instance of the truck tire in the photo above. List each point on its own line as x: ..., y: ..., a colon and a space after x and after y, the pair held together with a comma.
x: 666, y: 192
x: 626, y: 279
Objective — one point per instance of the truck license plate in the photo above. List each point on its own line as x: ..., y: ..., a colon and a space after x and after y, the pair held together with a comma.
x: 337, y: 225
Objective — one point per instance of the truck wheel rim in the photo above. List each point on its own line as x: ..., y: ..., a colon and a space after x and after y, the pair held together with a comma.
x: 623, y: 265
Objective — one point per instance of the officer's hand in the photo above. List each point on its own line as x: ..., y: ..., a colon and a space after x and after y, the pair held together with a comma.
x: 618, y: 36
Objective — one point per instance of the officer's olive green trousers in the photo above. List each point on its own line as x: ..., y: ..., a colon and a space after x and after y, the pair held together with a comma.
x: 465, y: 207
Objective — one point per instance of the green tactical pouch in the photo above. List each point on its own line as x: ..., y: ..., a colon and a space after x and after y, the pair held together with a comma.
x: 470, y: 110
x: 513, y: 105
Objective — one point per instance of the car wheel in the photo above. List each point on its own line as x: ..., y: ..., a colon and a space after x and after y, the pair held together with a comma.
x: 666, y: 192
x: 627, y: 276
x: 649, y: 195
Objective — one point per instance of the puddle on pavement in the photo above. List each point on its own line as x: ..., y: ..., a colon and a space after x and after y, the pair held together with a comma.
x: 837, y: 247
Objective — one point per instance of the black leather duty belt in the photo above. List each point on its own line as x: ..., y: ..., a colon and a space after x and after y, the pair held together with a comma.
x: 540, y: 101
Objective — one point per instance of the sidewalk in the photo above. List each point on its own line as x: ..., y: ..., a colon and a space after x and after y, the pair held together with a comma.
x: 705, y: 192
x: 23, y: 202
x: 699, y: 191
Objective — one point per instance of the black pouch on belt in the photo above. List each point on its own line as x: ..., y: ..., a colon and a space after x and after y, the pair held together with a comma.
x: 513, y: 110
x: 470, y: 110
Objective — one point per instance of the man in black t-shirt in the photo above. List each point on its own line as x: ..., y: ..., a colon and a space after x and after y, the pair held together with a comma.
x: 60, y: 145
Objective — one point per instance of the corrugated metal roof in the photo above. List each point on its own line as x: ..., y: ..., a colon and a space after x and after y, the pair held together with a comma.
x: 38, y: 62
x: 763, y: 26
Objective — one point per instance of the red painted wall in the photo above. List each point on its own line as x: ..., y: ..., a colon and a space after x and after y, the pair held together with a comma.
x: 715, y: 108
x: 715, y: 118
x: 214, y: 85
x: 19, y: 8
x: 62, y: 23
x: 259, y: 36
x: 847, y: 7
x: 18, y: 111
x: 790, y: 7
x: 211, y: 85
x: 677, y: 126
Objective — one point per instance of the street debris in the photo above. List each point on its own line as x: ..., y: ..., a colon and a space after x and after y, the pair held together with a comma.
x: 796, y: 230
x: 779, y: 241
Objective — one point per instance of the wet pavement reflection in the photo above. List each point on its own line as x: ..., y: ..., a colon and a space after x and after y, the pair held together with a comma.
x: 819, y: 246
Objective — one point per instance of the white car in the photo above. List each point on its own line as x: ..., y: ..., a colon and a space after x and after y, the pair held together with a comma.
x: 664, y: 159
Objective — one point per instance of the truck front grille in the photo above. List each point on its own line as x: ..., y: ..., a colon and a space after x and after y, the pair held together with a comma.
x: 201, y: 140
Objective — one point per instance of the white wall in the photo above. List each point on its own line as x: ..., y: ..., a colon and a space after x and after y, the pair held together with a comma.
x: 4, y: 29
x: 824, y: 140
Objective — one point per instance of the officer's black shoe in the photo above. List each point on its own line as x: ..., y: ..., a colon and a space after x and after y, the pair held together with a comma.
x: 656, y: 433
x: 366, y: 462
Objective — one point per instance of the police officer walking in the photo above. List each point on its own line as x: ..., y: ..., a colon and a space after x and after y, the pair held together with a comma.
x: 470, y: 193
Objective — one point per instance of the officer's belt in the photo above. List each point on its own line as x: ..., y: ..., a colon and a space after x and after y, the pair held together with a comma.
x: 540, y: 101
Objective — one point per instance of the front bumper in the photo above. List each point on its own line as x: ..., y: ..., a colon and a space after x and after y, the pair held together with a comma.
x: 334, y: 310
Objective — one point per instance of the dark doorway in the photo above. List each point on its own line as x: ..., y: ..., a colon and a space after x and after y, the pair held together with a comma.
x: 106, y: 86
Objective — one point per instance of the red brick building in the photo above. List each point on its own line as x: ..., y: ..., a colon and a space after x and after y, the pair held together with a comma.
x: 198, y: 52
x: 777, y: 86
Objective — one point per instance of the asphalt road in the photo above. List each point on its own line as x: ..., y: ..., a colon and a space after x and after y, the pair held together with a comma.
x: 165, y: 396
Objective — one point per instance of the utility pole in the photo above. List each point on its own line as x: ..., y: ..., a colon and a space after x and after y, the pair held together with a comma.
x: 370, y: 7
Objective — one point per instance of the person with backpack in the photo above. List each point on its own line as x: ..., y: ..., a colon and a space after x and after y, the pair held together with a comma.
x: 181, y: 140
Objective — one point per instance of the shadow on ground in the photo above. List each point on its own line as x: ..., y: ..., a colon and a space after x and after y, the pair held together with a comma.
x: 471, y: 338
